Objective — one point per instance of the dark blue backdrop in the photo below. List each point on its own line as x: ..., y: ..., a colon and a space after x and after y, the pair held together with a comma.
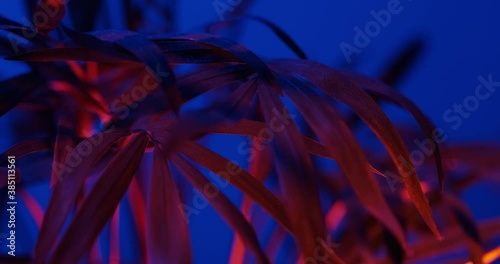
x: 461, y: 43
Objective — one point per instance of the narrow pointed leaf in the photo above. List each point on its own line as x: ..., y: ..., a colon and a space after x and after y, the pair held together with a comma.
x: 100, y: 204
x: 139, y: 214
x: 280, y: 33
x: 238, y: 177
x: 296, y: 173
x: 65, y: 143
x: 223, y: 205
x: 26, y: 147
x: 63, y: 198
x: 346, y: 91
x: 341, y: 143
x: 168, y: 234
x: 226, y: 46
x: 380, y: 89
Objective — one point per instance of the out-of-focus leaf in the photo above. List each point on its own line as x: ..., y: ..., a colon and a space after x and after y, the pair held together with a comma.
x: 24, y: 148
x: 114, y: 236
x: 31, y: 35
x: 14, y: 90
x: 62, y: 200
x: 95, y: 252
x: 34, y: 208
x: 480, y: 155
x: 491, y: 256
x: 139, y: 214
x: 168, y: 233
x: 282, y: 35
x: 84, y: 14
x: 223, y: 205
x: 260, y: 166
x: 31, y: 6
x: 274, y: 243
x: 142, y: 48
x: 100, y: 203
x: 463, y: 217
x: 51, y: 12
x: 152, y: 56
x: 401, y: 64
x: 335, y: 214
x: 428, y: 247
x: 65, y: 143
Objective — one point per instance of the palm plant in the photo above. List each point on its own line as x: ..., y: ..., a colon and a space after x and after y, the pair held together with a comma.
x: 124, y: 118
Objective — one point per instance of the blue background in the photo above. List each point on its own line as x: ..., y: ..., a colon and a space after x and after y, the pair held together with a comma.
x: 461, y: 43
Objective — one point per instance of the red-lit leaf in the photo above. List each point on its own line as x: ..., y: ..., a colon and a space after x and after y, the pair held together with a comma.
x: 296, y: 174
x: 100, y: 204
x: 223, y: 205
x: 114, y: 237
x: 238, y: 177
x: 341, y: 143
x: 63, y: 198
x: 34, y: 208
x: 260, y: 165
x: 49, y: 14
x: 168, y: 234
x: 139, y: 214
x: 452, y: 238
x: 193, y: 124
x: 202, y: 81
x: 27, y: 147
x: 463, y: 217
x: 380, y: 89
x: 225, y: 46
x: 65, y: 143
x: 152, y: 56
x: 254, y: 129
x: 346, y: 91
